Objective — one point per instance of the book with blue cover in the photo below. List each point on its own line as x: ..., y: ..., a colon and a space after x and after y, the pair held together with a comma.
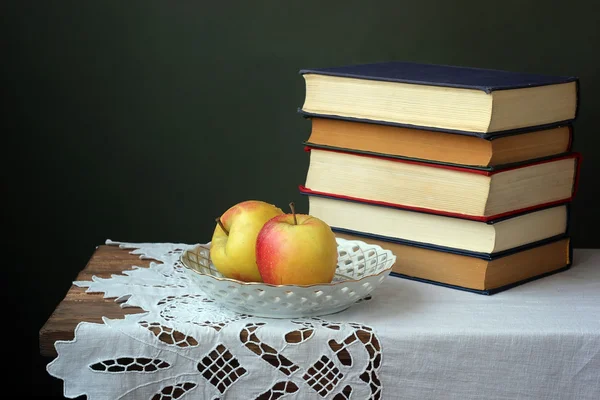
x: 469, y: 101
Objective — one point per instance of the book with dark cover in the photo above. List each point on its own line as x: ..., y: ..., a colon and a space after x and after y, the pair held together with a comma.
x: 488, y: 81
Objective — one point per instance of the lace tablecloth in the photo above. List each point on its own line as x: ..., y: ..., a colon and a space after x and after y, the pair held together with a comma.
x: 410, y: 340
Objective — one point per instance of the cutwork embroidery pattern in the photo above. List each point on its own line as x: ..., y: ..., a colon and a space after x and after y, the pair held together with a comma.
x: 187, y: 344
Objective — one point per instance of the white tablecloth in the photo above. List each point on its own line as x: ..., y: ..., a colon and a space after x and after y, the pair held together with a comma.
x: 540, y: 340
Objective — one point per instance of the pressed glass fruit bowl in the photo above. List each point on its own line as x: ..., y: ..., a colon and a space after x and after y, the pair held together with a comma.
x: 361, y: 268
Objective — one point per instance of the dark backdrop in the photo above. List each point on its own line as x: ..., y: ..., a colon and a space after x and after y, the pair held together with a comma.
x: 144, y: 121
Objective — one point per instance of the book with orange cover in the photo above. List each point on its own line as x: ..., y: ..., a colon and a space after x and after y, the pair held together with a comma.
x: 475, y: 274
x: 468, y: 193
x: 439, y: 147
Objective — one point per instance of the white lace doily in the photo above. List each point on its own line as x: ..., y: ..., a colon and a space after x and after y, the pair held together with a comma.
x: 186, y: 346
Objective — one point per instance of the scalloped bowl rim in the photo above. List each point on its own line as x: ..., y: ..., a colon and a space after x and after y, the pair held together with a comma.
x: 236, y: 281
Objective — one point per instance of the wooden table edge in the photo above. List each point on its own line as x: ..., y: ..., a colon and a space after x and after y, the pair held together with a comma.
x: 105, y: 261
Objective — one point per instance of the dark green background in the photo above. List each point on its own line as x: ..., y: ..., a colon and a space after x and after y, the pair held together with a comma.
x: 143, y: 121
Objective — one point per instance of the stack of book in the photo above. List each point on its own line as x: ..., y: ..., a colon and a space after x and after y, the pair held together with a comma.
x: 465, y: 174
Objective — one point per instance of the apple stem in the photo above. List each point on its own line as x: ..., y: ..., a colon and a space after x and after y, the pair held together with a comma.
x: 222, y: 226
x: 293, y: 212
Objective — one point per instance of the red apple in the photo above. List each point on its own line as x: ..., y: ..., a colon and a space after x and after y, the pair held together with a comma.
x: 296, y: 249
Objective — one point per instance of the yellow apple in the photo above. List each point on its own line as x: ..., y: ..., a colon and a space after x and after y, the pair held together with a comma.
x: 296, y: 249
x: 233, y: 246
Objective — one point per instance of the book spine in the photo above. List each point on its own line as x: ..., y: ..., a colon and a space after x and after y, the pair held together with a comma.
x: 577, y: 175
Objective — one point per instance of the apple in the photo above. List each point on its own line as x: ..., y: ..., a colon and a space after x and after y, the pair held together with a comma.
x: 296, y: 249
x: 233, y: 245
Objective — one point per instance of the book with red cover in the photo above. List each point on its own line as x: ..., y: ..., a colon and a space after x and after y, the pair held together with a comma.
x: 480, y: 195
